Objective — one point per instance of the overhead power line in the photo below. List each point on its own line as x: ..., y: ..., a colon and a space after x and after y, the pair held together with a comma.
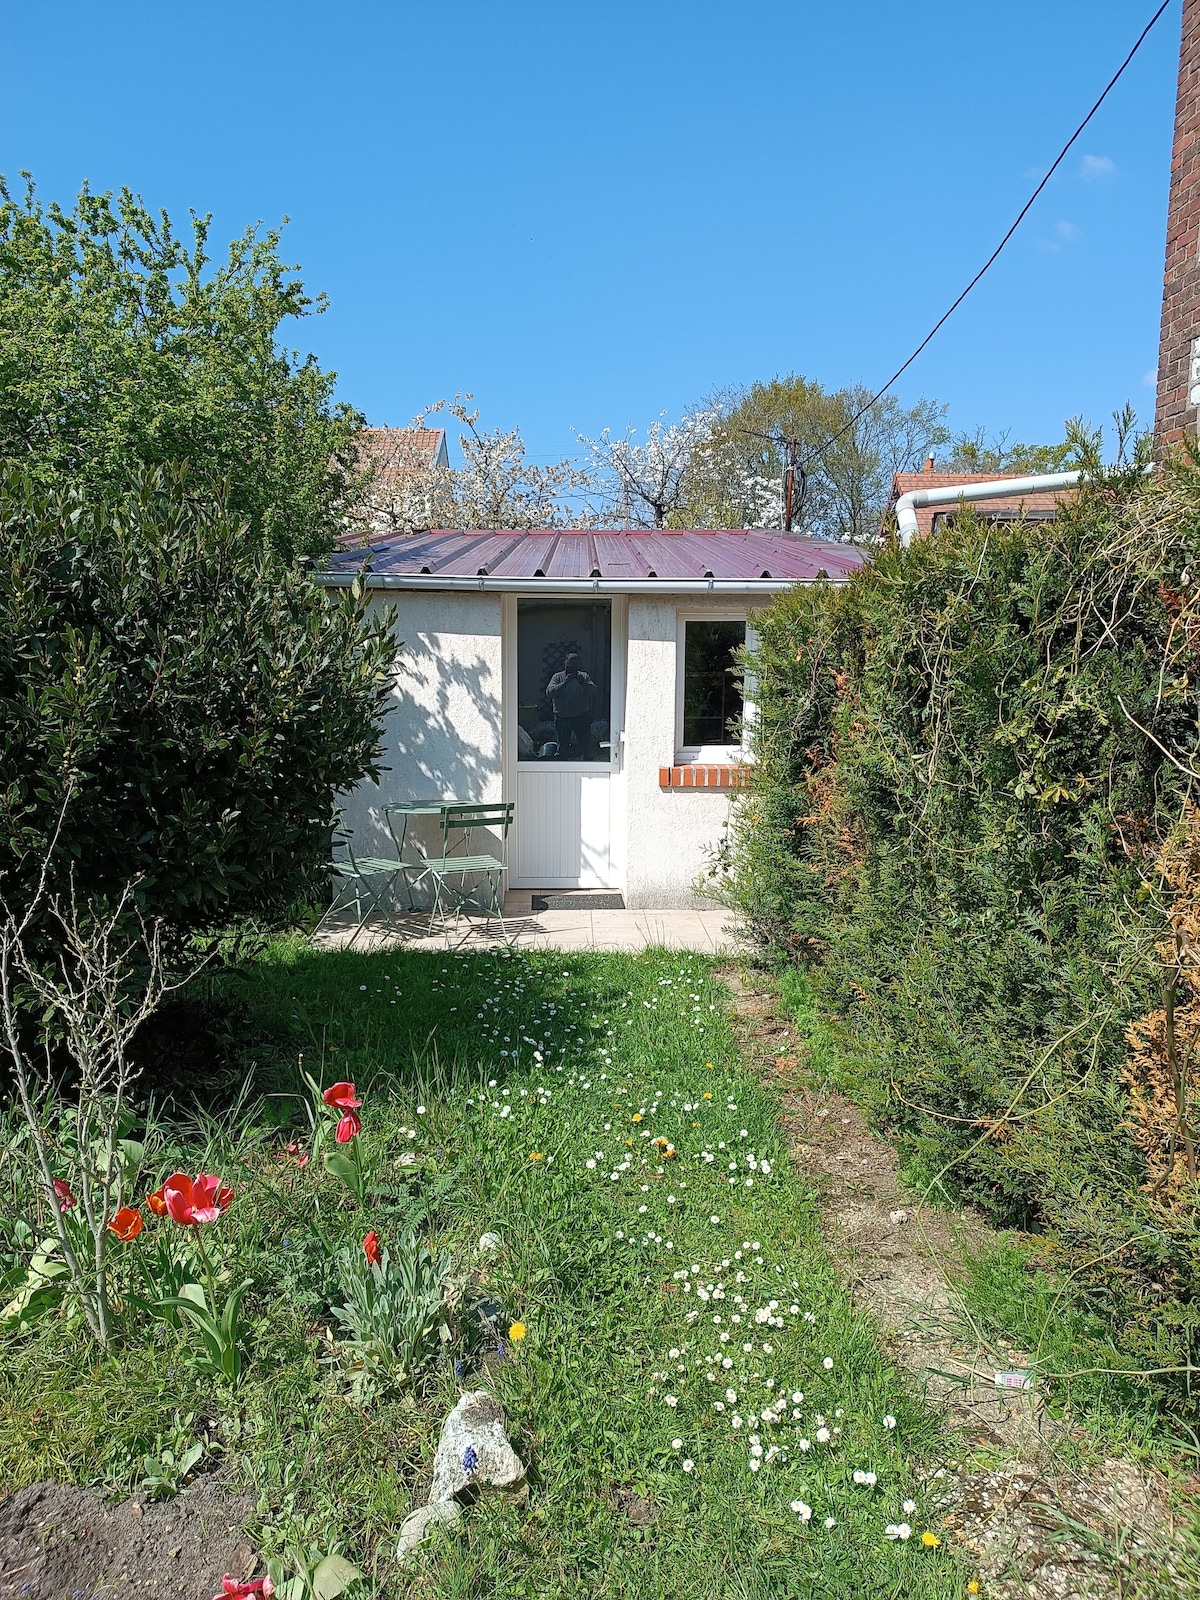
x: 1021, y: 215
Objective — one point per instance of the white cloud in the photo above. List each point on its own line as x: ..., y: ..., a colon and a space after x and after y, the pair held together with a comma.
x: 1097, y: 167
x: 1151, y: 379
x: 1068, y: 232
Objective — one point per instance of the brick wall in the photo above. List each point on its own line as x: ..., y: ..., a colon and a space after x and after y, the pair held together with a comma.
x: 1179, y: 341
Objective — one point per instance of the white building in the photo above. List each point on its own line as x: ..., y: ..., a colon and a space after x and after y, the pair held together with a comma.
x: 620, y: 764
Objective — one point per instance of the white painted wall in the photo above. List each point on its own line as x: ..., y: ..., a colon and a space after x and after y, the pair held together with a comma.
x: 442, y: 729
x: 669, y: 830
x: 444, y: 725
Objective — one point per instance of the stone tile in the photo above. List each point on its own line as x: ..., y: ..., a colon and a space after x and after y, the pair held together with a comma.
x: 580, y: 928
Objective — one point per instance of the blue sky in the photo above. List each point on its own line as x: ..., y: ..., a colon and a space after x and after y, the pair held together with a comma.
x: 590, y: 214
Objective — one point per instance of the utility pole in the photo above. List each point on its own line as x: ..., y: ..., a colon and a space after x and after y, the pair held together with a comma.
x: 791, y: 506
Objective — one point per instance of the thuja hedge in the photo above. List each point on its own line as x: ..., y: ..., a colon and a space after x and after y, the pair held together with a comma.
x: 956, y: 817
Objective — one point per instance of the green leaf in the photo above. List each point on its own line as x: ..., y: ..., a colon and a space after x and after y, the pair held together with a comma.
x: 342, y: 1167
x: 333, y: 1576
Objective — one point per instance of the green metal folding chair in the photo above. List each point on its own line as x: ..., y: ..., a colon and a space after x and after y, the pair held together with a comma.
x: 366, y: 882
x: 450, y: 873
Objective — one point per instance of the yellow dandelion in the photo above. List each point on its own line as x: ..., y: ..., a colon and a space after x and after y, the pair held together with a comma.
x: 708, y: 1094
x: 535, y: 1155
x: 637, y: 1116
x: 629, y: 1142
x: 930, y: 1541
x: 517, y: 1332
x: 709, y: 1065
x: 973, y: 1586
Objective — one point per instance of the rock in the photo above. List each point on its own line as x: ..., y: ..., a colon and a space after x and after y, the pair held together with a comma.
x: 418, y: 1523
x: 897, y: 1217
x: 490, y: 1243
x: 474, y: 1450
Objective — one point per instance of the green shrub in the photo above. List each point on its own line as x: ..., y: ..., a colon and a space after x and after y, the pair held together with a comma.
x: 122, y: 346
x: 955, y: 810
x: 189, y: 695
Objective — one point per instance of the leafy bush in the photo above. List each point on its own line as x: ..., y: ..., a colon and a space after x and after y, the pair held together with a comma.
x: 969, y: 804
x: 190, y: 697
x: 123, y: 347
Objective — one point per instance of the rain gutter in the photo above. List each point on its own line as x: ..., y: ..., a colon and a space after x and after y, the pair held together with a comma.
x: 401, y: 580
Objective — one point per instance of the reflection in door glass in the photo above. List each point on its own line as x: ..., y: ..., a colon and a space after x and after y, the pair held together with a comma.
x: 564, y: 672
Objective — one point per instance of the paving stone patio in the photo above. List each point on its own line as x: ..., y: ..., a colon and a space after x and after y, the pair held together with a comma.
x: 577, y: 927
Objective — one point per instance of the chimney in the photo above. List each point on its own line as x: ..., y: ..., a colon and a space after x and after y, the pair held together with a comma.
x: 928, y: 463
x: 1179, y: 338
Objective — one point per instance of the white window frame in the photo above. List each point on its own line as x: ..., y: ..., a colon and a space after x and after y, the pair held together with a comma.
x: 712, y: 754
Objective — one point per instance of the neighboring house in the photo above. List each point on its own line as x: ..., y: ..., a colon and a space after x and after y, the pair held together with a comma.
x: 623, y: 783
x: 399, y: 459
x: 1025, y: 508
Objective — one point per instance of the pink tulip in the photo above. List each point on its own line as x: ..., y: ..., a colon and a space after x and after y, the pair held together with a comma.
x: 231, y: 1589
x: 342, y: 1096
x: 349, y: 1126
x: 194, y: 1200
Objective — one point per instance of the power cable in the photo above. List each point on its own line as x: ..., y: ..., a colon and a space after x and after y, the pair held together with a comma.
x: 1021, y: 215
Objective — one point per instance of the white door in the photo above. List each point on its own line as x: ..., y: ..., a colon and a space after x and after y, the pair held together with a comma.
x: 560, y: 722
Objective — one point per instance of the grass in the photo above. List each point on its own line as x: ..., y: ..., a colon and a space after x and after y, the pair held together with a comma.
x: 1005, y: 1288
x: 532, y: 1086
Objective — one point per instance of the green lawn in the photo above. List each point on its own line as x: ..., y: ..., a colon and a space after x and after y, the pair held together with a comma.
x: 669, y: 1302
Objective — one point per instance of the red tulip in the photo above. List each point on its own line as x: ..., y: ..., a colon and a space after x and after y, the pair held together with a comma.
x: 194, y: 1200
x: 126, y: 1224
x: 342, y: 1096
x: 349, y: 1124
x: 157, y: 1203
x: 231, y: 1589
x: 371, y: 1247
x: 65, y: 1198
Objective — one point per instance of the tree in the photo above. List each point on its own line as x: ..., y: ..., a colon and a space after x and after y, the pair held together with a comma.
x: 974, y: 452
x: 179, y: 703
x: 845, y: 449
x: 723, y: 465
x: 651, y: 484
x: 496, y: 487
x: 120, y: 345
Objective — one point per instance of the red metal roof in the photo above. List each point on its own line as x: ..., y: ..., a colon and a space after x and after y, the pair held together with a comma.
x: 720, y: 553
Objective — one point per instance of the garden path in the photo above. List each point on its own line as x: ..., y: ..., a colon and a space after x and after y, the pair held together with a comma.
x: 1043, y: 1520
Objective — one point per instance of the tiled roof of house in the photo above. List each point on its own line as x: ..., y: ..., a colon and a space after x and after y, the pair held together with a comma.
x: 720, y: 553
x: 396, y: 453
x: 1032, y: 504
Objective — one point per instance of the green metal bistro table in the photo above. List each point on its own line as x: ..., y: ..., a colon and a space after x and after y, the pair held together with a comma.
x: 405, y: 810
x: 458, y: 818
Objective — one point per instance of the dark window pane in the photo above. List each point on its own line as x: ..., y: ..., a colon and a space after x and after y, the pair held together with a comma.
x: 712, y: 686
x: 564, y: 674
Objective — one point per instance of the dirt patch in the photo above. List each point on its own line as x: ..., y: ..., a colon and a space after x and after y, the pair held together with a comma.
x: 899, y: 1259
x: 60, y: 1543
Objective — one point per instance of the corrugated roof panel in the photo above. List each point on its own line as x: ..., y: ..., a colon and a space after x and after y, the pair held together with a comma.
x: 571, y: 558
x: 620, y: 555
x: 543, y: 555
x: 527, y: 557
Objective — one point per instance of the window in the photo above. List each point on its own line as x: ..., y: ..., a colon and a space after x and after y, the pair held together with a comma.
x: 711, y: 699
x: 564, y: 678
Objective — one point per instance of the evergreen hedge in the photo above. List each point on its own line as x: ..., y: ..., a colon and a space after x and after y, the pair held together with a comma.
x: 970, y: 809
x: 179, y: 701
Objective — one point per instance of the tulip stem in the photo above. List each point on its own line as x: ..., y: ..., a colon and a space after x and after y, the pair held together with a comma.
x: 208, y: 1273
